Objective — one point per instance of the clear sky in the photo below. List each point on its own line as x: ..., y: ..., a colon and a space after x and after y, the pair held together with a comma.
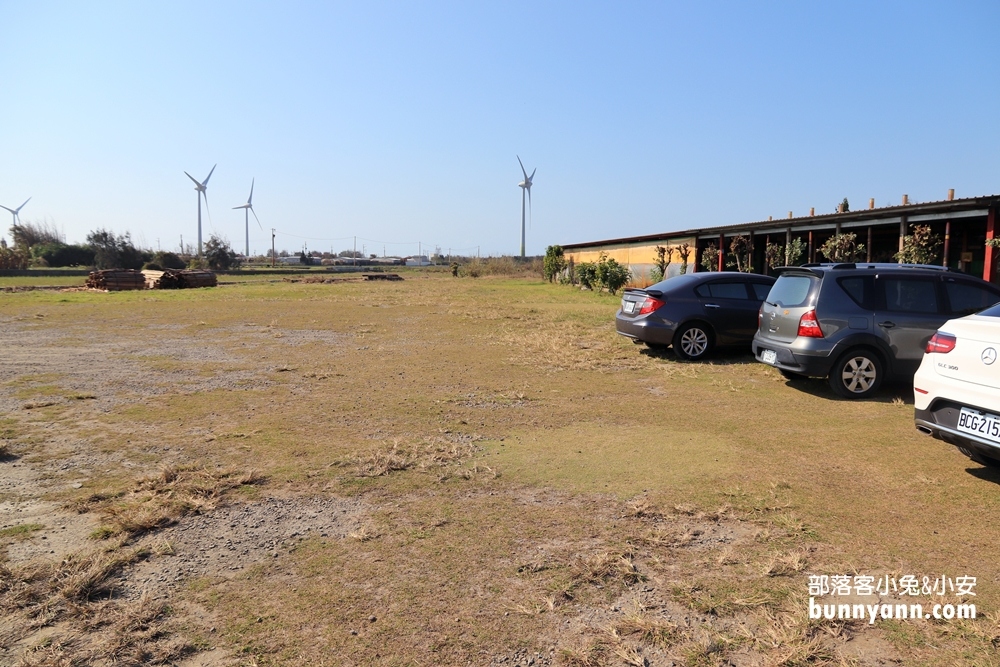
x: 399, y: 122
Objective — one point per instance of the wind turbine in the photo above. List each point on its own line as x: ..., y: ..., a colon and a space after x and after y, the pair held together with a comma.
x: 247, y: 210
x: 16, y: 212
x: 202, y: 192
x: 525, y: 186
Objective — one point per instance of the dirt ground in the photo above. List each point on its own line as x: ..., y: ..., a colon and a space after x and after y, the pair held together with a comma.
x: 285, y: 475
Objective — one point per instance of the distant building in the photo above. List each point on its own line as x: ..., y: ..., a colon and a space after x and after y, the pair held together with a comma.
x: 418, y: 260
x: 964, y: 225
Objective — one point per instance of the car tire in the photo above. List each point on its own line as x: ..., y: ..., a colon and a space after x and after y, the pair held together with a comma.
x: 857, y: 374
x: 693, y: 341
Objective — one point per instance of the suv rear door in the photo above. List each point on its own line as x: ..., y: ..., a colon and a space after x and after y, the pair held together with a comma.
x: 911, y: 310
x: 787, y: 301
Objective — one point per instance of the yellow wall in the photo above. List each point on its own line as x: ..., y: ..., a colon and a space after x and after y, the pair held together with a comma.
x: 640, y: 257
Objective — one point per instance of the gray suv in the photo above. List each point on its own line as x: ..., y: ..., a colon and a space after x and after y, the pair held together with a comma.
x: 860, y: 323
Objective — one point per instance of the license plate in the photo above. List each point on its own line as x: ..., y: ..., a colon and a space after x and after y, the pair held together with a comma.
x: 769, y: 356
x: 982, y: 424
x: 628, y: 306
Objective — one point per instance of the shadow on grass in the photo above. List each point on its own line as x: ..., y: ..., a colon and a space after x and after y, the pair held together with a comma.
x: 896, y: 392
x: 986, y: 473
x: 719, y: 357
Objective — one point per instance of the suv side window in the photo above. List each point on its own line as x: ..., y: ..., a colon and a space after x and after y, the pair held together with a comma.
x: 860, y: 289
x: 909, y: 295
x: 966, y: 298
x: 723, y: 290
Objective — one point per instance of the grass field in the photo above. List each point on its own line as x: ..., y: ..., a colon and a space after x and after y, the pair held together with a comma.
x: 512, y: 481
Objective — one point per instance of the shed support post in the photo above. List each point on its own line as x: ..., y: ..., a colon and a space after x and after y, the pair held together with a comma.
x: 947, y: 243
x: 722, y: 252
x: 990, y: 265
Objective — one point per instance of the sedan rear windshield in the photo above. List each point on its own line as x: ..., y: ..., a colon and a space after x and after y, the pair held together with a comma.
x: 790, y: 290
x: 992, y: 311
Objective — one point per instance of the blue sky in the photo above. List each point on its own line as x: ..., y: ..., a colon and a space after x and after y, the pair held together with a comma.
x: 399, y: 122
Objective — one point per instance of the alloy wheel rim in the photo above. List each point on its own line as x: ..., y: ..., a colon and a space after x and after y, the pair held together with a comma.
x: 694, y: 342
x: 859, y: 375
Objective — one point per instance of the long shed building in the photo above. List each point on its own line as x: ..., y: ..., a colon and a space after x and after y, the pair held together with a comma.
x: 964, y: 225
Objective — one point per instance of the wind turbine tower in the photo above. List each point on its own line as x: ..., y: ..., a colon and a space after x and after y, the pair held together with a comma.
x: 247, y: 210
x: 16, y: 212
x: 202, y: 189
x: 525, y: 186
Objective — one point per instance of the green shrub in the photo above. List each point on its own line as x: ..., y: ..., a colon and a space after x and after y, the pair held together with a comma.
x: 554, y: 262
x: 586, y: 275
x: 168, y: 260
x: 611, y: 275
x: 56, y: 254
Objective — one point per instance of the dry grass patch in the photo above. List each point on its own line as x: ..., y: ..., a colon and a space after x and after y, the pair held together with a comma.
x: 160, y: 500
x: 76, y: 595
x: 428, y: 455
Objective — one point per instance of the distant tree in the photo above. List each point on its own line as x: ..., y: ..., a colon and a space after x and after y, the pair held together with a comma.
x: 664, y: 256
x: 168, y: 260
x: 304, y: 258
x: 554, y: 262
x: 794, y: 252
x: 774, y: 255
x: 710, y: 258
x: 843, y: 248
x: 920, y: 247
x: 844, y: 206
x: 115, y: 251
x: 586, y: 274
x: 684, y: 251
x: 349, y: 253
x: 60, y: 254
x: 13, y: 258
x: 26, y: 235
x: 741, y: 251
x: 219, y: 255
x: 610, y: 274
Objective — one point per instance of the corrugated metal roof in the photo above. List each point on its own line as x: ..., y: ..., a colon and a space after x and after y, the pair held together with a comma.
x: 831, y: 219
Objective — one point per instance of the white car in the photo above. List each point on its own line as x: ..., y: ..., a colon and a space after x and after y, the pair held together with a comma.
x: 956, y: 391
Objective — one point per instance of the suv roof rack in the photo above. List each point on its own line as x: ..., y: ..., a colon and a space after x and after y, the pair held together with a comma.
x: 873, y: 265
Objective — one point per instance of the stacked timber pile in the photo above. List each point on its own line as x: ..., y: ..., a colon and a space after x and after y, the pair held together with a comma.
x: 197, y: 278
x: 382, y: 276
x: 116, y: 279
x: 180, y: 279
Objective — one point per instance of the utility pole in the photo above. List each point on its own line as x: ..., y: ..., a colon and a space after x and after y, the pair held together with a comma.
x: 272, y: 247
x: 354, y: 255
x: 182, y: 244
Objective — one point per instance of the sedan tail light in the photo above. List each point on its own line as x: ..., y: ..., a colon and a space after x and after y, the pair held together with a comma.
x: 809, y: 325
x: 649, y: 305
x: 941, y: 342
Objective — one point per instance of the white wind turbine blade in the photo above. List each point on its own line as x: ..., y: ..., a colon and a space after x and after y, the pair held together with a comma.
x: 204, y: 193
x: 205, y: 182
x: 18, y: 211
x: 197, y: 185
x: 522, y: 169
x: 256, y: 218
x: 8, y: 209
x: 250, y: 198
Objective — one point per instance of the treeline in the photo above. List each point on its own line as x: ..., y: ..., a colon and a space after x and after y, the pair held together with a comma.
x: 41, y: 245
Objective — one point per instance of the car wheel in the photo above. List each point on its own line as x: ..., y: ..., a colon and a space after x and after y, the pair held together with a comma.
x: 692, y: 342
x: 857, y: 374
